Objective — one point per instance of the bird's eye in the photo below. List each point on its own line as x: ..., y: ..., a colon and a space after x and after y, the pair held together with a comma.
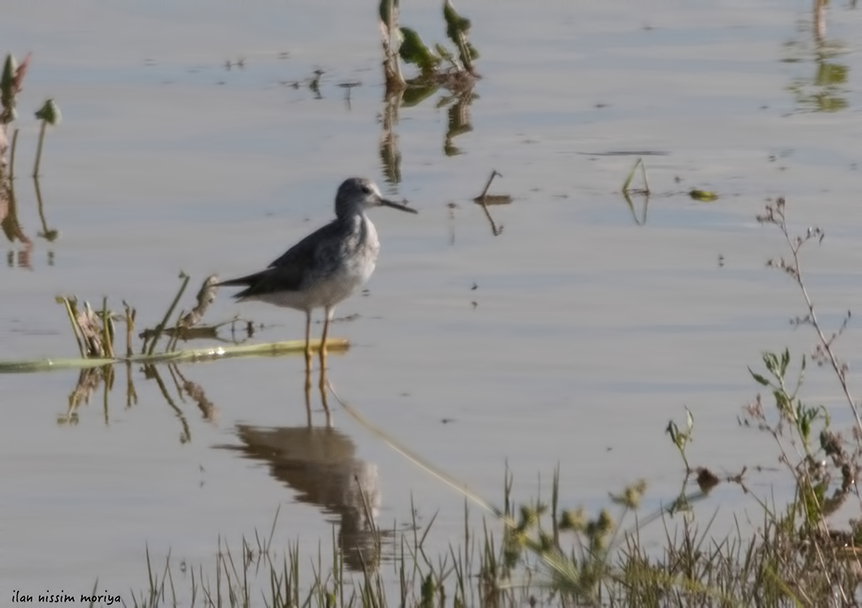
x: 366, y: 190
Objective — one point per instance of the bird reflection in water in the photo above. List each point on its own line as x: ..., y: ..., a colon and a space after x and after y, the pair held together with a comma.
x: 320, y: 464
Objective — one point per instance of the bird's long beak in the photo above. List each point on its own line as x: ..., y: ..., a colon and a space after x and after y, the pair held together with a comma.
x: 394, y: 205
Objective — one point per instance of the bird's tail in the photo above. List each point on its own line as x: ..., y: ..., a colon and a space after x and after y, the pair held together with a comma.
x: 248, y: 282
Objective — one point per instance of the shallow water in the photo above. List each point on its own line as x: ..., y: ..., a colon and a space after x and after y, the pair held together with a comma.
x: 590, y: 324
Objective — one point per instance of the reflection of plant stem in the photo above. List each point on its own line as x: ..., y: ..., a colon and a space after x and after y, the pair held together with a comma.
x: 481, y: 198
x: 173, y: 371
x: 628, y: 200
x: 196, y: 392
x: 151, y: 372
x: 131, y: 313
x: 49, y: 234
x: 390, y: 156
x: 131, y: 393
x: 39, y: 148
x: 108, y: 379
x: 12, y: 154
x: 9, y: 224
x: 497, y: 231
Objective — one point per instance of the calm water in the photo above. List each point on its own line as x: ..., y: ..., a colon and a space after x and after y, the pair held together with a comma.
x: 571, y: 337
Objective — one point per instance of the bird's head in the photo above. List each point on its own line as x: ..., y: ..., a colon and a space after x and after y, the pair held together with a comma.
x: 358, y: 193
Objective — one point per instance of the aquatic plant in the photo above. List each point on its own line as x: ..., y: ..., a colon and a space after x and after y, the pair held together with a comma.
x: 95, y: 332
x: 11, y: 82
x: 438, y: 66
x: 48, y: 114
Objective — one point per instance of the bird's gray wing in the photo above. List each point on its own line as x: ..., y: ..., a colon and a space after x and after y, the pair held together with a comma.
x: 303, y: 253
x: 288, y: 271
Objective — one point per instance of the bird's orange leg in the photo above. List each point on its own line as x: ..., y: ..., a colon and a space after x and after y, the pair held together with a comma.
x: 328, y: 313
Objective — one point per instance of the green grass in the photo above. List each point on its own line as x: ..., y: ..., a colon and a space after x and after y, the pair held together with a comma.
x: 548, y: 556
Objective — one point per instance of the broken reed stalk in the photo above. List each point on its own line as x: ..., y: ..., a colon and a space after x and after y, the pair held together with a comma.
x: 68, y: 305
x: 631, y: 175
x: 206, y: 295
x: 131, y: 313
x: 107, y: 329
x: 488, y: 185
x: 160, y: 328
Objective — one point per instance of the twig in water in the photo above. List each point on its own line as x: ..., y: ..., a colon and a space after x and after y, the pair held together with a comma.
x: 161, y: 326
x: 488, y: 185
x: 482, y: 199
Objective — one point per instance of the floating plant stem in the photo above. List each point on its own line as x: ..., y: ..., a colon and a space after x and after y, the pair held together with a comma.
x: 269, y: 349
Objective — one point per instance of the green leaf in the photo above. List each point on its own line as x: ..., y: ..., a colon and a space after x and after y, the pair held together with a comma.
x: 413, y: 50
x: 782, y: 403
x: 770, y: 360
x: 704, y: 196
x: 456, y: 25
x: 805, y: 429
x: 673, y: 431
x: 785, y: 361
x: 9, y: 67
x: 7, y: 85
x: 758, y: 378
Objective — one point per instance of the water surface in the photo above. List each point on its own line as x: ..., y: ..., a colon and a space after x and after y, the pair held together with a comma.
x: 570, y: 338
